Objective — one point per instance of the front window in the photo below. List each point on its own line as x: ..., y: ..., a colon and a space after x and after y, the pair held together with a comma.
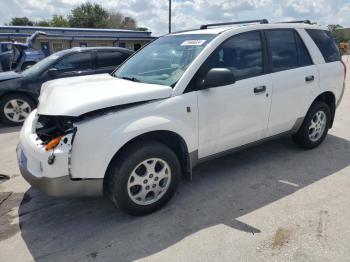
x: 165, y: 60
x: 39, y: 67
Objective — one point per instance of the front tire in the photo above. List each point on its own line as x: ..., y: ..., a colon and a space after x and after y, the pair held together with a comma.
x: 315, y: 126
x: 143, y: 178
x: 15, y: 108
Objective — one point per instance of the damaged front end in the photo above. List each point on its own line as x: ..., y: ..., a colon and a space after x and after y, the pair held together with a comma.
x: 49, y: 128
x: 44, y: 157
x: 56, y: 131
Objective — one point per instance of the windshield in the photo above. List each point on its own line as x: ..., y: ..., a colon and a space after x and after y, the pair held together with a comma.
x: 44, y: 64
x: 165, y: 60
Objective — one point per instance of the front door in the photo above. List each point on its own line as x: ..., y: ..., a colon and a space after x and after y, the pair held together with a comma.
x: 234, y: 115
x: 45, y: 47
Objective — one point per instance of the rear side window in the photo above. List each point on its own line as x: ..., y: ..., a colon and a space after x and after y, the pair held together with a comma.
x: 110, y: 58
x: 287, y: 50
x: 326, y: 43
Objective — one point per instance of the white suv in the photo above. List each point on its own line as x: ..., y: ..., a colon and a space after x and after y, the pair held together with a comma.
x: 185, y: 98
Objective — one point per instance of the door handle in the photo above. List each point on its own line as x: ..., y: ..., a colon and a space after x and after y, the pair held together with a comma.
x: 309, y: 78
x: 259, y: 89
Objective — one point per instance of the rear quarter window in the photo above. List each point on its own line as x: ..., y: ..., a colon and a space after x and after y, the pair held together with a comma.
x: 326, y: 43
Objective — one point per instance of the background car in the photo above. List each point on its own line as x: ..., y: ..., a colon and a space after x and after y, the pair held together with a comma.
x: 19, y: 92
x: 6, y: 56
x: 20, y: 56
x: 26, y: 56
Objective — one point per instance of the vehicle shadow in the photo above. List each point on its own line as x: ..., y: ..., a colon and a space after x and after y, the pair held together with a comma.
x: 8, y: 129
x: 222, y: 191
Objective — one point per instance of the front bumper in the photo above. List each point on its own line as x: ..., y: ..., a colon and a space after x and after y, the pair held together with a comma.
x: 64, y: 186
x: 53, y: 179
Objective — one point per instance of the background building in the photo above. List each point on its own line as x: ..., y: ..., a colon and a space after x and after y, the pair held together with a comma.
x: 60, y: 38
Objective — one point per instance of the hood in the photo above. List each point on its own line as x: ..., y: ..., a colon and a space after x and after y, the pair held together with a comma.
x: 78, y: 95
x: 9, y: 75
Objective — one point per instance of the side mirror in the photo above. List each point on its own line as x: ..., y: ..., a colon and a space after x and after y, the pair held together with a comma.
x: 52, y: 72
x: 218, y: 77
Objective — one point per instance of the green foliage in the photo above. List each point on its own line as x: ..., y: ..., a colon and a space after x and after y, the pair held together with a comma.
x: 338, y: 33
x: 118, y: 20
x: 85, y: 15
x: 142, y: 28
x: 88, y: 15
x: 59, y: 21
x: 21, y: 21
x: 42, y: 23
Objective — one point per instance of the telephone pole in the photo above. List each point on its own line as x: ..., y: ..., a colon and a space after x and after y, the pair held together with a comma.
x: 169, y: 16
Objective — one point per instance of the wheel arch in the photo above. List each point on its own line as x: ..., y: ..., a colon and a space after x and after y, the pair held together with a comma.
x: 169, y: 138
x: 328, y: 97
x: 9, y: 93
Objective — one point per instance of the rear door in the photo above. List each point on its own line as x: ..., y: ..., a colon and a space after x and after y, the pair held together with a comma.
x: 295, y: 79
x: 108, y: 60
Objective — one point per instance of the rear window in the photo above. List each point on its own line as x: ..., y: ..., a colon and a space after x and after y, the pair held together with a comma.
x: 110, y: 58
x: 326, y: 43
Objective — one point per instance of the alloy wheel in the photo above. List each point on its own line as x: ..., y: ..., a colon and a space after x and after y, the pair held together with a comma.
x: 317, y: 126
x: 149, y: 181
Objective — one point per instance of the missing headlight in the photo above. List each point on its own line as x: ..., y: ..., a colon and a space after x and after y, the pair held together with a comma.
x: 50, y: 127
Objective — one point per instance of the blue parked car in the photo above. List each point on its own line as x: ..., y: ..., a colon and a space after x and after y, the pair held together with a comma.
x: 19, y: 56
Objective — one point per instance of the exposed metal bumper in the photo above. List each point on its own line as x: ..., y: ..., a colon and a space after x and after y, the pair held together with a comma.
x: 64, y: 186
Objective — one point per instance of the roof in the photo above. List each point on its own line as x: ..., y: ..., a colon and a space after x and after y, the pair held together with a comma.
x: 74, y: 33
x: 220, y: 29
x: 45, y: 28
x: 124, y: 50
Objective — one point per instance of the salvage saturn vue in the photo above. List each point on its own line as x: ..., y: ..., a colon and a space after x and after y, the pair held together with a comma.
x: 185, y: 98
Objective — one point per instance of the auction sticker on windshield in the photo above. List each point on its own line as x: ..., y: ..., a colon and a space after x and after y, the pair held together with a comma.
x: 193, y: 42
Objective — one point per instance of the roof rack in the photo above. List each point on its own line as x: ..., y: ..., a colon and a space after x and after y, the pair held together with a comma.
x: 261, y: 21
x: 298, y: 22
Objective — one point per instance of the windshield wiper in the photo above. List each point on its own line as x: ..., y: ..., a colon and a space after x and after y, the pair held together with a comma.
x: 131, y: 78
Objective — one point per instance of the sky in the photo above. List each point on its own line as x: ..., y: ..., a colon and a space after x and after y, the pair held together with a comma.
x: 189, y: 14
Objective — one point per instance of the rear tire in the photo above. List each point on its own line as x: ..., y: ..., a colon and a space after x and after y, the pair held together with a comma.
x: 143, y: 177
x: 15, y: 108
x: 315, y: 126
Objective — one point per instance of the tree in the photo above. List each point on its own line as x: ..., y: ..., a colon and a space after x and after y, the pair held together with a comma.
x: 142, y: 28
x: 21, y: 21
x: 118, y: 20
x: 338, y: 33
x: 88, y: 15
x: 129, y: 23
x: 42, y: 23
x: 334, y: 28
x: 59, y: 21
